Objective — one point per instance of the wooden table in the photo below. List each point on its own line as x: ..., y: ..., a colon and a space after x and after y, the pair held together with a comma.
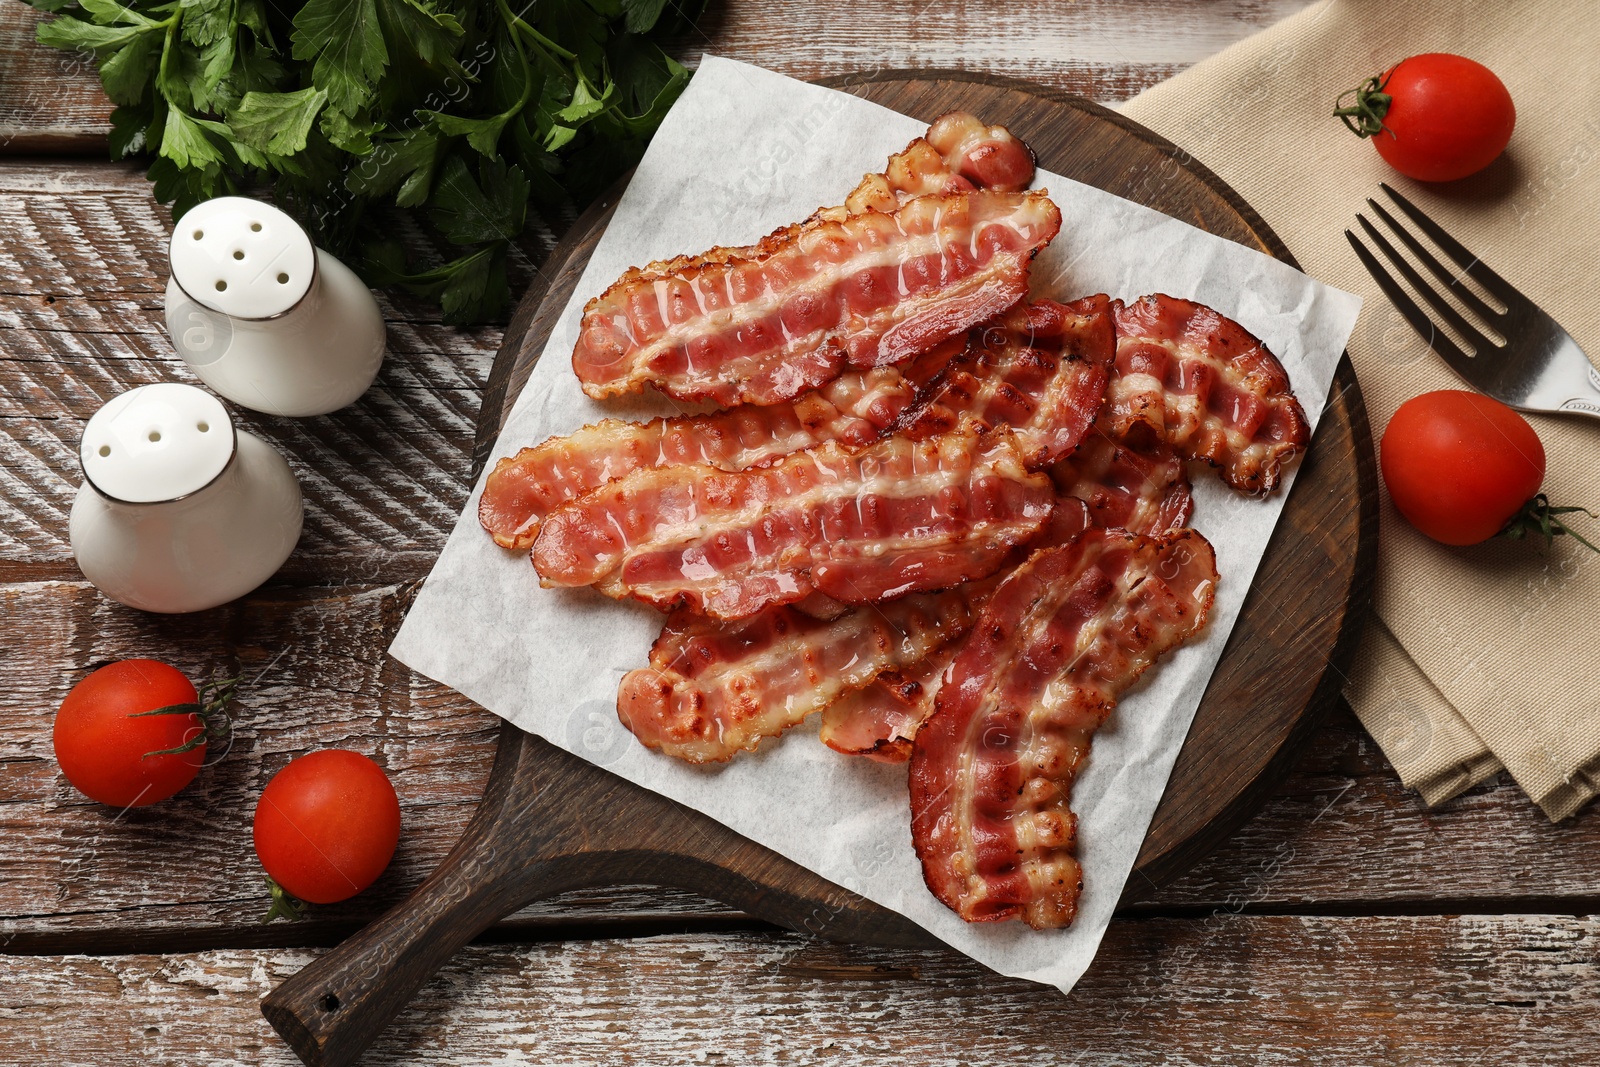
x: 1346, y: 924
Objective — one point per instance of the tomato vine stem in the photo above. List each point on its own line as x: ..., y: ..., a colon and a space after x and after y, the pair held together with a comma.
x: 1365, y: 116
x: 212, y: 708
x: 1539, y: 518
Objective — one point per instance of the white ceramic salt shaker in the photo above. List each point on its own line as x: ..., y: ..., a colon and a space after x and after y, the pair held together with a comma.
x: 178, y: 511
x: 264, y: 317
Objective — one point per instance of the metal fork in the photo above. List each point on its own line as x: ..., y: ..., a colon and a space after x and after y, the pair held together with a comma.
x: 1538, y: 367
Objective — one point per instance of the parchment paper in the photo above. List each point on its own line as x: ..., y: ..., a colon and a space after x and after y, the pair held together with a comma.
x: 743, y: 152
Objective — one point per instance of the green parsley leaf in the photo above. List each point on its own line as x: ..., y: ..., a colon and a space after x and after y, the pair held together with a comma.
x: 346, y: 42
x: 184, y: 140
x: 207, y: 21
x: 482, y: 134
x: 276, y: 122
x: 428, y: 36
x: 347, y: 134
x: 69, y: 33
x: 404, y: 168
x: 477, y: 286
x: 126, y: 72
x: 112, y: 12
x: 467, y: 212
x: 642, y: 15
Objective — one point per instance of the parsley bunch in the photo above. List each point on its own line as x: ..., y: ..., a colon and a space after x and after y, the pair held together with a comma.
x: 476, y: 117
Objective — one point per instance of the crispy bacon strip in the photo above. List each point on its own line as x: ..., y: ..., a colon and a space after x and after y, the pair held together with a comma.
x: 716, y: 688
x: 973, y: 156
x: 863, y: 291
x: 992, y: 769
x: 1039, y: 368
x: 896, y: 517
x: 990, y: 157
x: 854, y: 409
x: 1198, y: 382
x: 1121, y: 488
x: 1145, y: 492
x: 958, y: 154
x: 880, y: 719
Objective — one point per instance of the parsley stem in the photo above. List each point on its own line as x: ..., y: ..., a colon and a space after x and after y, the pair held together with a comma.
x: 522, y: 57
x: 173, y: 21
x: 544, y: 43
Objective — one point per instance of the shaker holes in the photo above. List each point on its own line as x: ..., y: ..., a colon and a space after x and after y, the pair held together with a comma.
x: 203, y: 427
x: 199, y: 234
x: 155, y: 435
x: 238, y: 253
x: 255, y: 227
x: 105, y: 450
x: 221, y: 285
x: 283, y: 279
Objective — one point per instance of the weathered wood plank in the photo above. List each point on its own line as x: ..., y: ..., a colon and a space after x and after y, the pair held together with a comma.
x: 1341, y: 833
x: 1101, y: 49
x: 1274, y: 990
x: 50, y: 101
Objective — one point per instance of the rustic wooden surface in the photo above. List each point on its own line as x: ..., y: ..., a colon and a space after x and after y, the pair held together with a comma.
x: 1345, y: 924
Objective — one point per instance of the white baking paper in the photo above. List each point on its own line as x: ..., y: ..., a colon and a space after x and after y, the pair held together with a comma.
x: 744, y: 152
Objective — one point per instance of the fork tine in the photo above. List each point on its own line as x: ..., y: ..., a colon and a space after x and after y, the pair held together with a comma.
x: 1448, y: 278
x: 1453, y: 248
x: 1459, y: 361
x: 1432, y: 296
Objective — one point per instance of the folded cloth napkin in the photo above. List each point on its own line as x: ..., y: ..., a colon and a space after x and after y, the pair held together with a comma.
x: 1482, y: 656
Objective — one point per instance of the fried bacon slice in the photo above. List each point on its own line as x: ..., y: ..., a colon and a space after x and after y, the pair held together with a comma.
x: 1144, y: 492
x: 990, y: 157
x: 855, y: 409
x: 1198, y: 382
x: 716, y: 688
x: 1040, y: 368
x: 1059, y: 641
x: 866, y: 290
x: 958, y: 154
x: 973, y: 156
x: 879, y: 720
x: 897, y: 517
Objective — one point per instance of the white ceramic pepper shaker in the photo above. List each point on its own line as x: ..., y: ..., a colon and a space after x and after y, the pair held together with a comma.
x: 265, y: 318
x: 178, y: 511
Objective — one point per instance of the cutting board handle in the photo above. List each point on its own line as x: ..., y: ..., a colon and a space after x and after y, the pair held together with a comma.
x: 338, y: 1005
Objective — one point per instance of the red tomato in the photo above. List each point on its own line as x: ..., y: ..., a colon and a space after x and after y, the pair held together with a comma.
x: 327, y: 825
x: 107, y: 748
x: 1445, y: 116
x: 1459, y: 465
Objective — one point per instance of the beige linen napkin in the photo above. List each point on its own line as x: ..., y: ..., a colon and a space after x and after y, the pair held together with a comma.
x: 1486, y: 655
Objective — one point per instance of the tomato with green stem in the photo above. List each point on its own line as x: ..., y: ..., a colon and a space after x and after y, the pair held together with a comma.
x: 1462, y: 468
x: 325, y: 828
x: 1434, y: 117
x: 135, y: 731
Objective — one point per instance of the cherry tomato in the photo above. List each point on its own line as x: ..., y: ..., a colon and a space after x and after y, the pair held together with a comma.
x: 1434, y: 117
x: 1460, y: 465
x: 327, y: 825
x: 112, y: 752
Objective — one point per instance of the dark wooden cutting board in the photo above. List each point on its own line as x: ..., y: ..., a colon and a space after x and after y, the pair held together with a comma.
x: 550, y: 822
